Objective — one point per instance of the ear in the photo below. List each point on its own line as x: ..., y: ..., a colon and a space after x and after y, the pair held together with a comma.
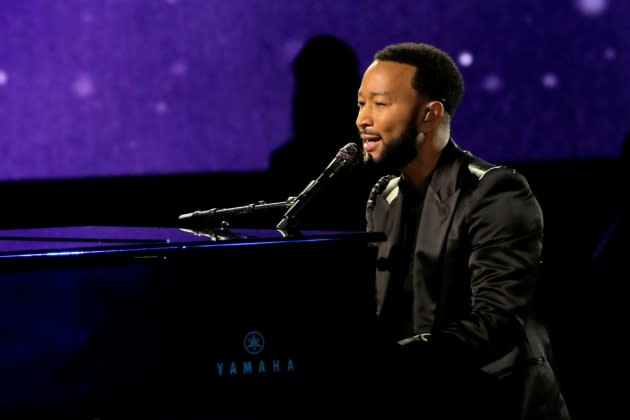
x: 433, y: 112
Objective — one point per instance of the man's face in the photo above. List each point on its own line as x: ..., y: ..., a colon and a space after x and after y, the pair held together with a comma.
x: 388, y: 119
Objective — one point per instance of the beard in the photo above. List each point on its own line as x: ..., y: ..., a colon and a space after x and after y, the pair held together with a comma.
x: 396, y: 152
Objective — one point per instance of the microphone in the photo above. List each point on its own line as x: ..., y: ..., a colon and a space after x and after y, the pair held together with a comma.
x: 346, y: 157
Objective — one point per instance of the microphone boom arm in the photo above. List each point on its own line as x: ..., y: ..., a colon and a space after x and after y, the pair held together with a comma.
x: 250, y: 208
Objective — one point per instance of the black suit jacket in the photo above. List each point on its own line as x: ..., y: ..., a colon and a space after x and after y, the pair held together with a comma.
x: 474, y: 273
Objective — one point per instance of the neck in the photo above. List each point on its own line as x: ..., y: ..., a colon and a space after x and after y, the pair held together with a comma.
x: 430, y: 149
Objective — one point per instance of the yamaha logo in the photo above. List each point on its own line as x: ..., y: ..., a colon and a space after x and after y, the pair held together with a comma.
x: 254, y: 342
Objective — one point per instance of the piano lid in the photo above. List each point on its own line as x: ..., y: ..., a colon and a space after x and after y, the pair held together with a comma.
x: 50, y: 241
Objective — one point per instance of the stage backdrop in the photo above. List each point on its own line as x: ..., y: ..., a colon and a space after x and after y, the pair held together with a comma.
x: 94, y: 88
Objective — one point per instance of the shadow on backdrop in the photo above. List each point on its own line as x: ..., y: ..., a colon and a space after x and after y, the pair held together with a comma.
x: 323, y: 120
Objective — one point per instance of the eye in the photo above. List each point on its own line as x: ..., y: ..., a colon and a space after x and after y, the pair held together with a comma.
x: 380, y: 104
x: 360, y: 104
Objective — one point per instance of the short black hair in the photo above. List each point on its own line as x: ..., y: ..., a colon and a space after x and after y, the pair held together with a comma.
x: 437, y: 75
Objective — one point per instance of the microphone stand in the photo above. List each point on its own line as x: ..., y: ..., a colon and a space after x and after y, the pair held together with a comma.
x: 345, y: 158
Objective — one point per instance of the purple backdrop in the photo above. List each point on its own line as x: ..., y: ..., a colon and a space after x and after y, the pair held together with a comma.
x: 126, y: 87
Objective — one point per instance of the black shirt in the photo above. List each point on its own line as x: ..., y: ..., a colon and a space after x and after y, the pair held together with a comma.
x: 412, y: 211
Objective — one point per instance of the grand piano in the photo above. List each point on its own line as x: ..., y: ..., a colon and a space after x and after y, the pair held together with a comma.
x: 114, y: 321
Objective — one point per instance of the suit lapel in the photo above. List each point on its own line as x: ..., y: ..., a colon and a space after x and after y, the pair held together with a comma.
x: 434, y: 224
x: 439, y: 205
x: 437, y: 213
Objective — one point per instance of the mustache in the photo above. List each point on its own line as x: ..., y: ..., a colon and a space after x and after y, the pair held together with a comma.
x: 368, y: 132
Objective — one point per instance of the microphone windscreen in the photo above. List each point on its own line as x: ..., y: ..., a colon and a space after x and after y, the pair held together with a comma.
x: 350, y: 154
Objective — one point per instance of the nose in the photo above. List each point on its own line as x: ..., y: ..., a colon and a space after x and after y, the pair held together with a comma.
x: 363, y: 118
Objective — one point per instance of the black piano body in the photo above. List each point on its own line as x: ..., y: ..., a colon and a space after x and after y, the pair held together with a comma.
x: 99, y: 321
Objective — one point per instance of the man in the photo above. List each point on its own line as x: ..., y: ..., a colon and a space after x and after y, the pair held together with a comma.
x: 457, y: 273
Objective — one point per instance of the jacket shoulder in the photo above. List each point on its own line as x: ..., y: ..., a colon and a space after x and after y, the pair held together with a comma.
x: 479, y: 167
